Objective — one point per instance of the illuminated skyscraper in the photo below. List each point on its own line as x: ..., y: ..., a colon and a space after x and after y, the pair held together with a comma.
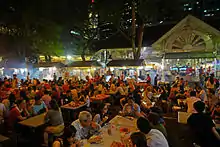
x: 205, y: 9
x: 93, y: 17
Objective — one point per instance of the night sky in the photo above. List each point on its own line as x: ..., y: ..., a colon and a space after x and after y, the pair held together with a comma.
x: 61, y: 11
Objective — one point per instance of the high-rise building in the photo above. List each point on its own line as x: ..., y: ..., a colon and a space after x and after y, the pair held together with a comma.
x: 93, y: 17
x: 204, y: 9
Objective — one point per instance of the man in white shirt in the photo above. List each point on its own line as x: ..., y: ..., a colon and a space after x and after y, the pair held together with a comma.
x: 84, y: 126
x: 154, y: 137
x: 190, y: 101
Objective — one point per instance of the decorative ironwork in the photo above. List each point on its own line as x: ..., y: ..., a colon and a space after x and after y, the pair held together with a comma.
x: 188, y: 41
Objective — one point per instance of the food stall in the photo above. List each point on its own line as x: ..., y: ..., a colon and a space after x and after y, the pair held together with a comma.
x: 81, y: 69
x: 130, y: 68
x: 191, y: 42
x: 46, y: 70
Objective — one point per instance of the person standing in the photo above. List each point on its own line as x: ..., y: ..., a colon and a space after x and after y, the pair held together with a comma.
x: 148, y: 78
x: 14, y: 81
x: 156, y: 80
x: 54, y: 77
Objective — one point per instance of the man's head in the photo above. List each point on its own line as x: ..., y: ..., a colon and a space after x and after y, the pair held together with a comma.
x: 37, y: 99
x: 85, y: 118
x: 217, y: 107
x: 199, y: 106
x: 21, y: 104
x: 130, y: 101
x: 143, y: 125
x: 192, y: 94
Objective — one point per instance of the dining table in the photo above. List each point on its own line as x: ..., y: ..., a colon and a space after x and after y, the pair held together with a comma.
x: 115, y: 124
x: 33, y: 127
x: 67, y: 106
x: 70, y: 113
x: 34, y: 122
x: 99, y: 97
x: 4, y: 141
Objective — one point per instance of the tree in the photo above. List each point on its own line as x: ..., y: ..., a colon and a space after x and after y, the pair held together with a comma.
x: 47, y: 40
x: 83, y: 38
x: 39, y: 24
x: 143, y: 13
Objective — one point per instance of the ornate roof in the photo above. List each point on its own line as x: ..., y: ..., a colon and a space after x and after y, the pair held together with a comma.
x: 189, y: 35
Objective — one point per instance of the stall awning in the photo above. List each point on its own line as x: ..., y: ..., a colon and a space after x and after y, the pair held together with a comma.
x: 14, y: 64
x: 121, y: 63
x: 191, y: 55
x: 49, y: 64
x: 84, y: 64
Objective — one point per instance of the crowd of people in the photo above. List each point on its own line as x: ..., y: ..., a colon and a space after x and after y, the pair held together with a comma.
x: 145, y: 102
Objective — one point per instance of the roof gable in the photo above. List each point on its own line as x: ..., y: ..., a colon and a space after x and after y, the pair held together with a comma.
x: 191, y: 21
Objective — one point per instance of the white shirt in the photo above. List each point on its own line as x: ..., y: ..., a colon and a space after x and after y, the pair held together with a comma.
x: 156, y: 139
x: 203, y: 95
x: 190, y: 101
x: 83, y: 132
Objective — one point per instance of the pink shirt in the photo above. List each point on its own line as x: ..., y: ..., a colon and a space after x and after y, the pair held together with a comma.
x: 46, y: 99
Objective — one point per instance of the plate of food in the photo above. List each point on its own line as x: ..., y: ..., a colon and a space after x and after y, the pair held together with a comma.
x: 124, y: 130
x: 95, y: 140
x: 117, y: 144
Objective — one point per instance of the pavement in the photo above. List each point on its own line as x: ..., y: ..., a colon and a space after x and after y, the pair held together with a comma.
x: 178, y: 134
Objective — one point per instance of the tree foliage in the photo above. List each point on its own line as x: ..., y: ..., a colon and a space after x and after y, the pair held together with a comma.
x: 145, y: 13
x: 38, y: 24
x: 84, y: 36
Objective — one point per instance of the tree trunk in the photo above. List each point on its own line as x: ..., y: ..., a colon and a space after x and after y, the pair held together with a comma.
x: 49, y: 57
x: 140, y: 39
x: 83, y: 55
x: 133, y: 30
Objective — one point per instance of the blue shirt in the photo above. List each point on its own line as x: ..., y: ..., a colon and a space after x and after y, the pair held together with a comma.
x: 37, y: 108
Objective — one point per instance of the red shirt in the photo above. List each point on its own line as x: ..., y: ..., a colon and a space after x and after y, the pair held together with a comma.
x: 65, y: 87
x: 47, y: 86
x: 149, y: 79
x: 13, y: 116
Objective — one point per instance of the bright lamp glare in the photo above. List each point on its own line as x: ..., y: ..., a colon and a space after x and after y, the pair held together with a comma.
x: 68, y: 57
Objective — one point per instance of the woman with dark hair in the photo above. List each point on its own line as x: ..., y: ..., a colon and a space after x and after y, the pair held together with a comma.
x: 210, y: 84
x: 68, y: 138
x: 54, y: 119
x: 163, y: 93
x: 212, y: 99
x: 39, y: 106
x: 17, y: 113
x: 102, y: 115
x: 12, y: 99
x: 138, y: 139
